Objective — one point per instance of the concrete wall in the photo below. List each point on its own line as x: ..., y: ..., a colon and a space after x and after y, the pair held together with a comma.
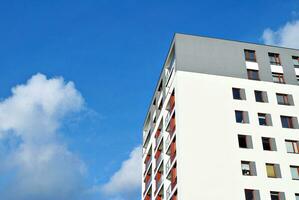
x: 226, y: 58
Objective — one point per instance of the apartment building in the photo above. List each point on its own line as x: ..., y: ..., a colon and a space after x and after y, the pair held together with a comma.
x: 223, y: 123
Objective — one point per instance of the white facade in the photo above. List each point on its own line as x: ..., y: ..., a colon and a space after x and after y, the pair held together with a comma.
x: 192, y: 122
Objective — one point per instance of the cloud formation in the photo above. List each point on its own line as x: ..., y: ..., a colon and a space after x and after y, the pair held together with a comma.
x: 126, y: 182
x: 287, y: 35
x: 35, y: 163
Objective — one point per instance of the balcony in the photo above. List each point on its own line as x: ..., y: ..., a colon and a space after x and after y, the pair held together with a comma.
x: 171, y: 102
x: 158, y: 137
x: 159, y: 158
x: 147, y: 162
x: 171, y: 123
x: 146, y: 138
x: 173, y: 150
x: 159, y: 181
x: 171, y: 192
x: 148, y: 195
x: 148, y: 182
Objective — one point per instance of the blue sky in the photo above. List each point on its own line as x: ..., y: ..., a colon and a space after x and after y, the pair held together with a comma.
x: 113, y: 51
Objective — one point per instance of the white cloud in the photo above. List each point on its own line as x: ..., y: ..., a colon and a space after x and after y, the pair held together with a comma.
x: 287, y: 35
x: 127, y: 180
x: 38, y: 164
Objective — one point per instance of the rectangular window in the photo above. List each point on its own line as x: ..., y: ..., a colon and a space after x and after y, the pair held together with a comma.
x: 277, y: 195
x: 277, y: 78
x: 238, y: 93
x: 273, y: 170
x: 284, y: 99
x: 250, y: 55
x: 260, y: 96
x: 296, y: 61
x: 248, y: 168
x: 297, y: 196
x: 295, y: 172
x: 253, y: 74
x: 241, y: 116
x: 274, y: 59
x: 251, y: 194
x: 264, y: 119
x: 269, y: 144
x: 245, y: 141
x: 292, y: 146
x: 287, y: 121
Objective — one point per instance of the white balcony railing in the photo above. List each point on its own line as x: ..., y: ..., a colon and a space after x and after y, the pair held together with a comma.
x: 159, y: 160
x: 168, y: 192
x: 158, y: 140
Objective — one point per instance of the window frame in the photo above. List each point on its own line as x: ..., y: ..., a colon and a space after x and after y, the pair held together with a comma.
x: 248, y: 144
x: 253, y: 192
x: 279, y: 76
x: 247, y: 53
x: 261, y: 94
x: 274, y: 170
x: 289, y: 121
x: 294, y: 144
x: 276, y: 57
x: 297, y: 169
x: 276, y: 193
x: 244, y: 117
x: 252, y: 71
x: 266, y: 117
x: 239, y: 93
x: 285, y: 97
x: 295, y: 58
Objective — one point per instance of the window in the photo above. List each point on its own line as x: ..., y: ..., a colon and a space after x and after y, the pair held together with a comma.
x: 297, y: 196
x: 284, y: 99
x: 268, y: 144
x: 253, y: 74
x: 248, y: 168
x: 245, y: 141
x: 277, y: 195
x: 250, y: 55
x: 295, y: 172
x: 277, y: 78
x: 238, y: 93
x: 264, y: 119
x: 241, y: 116
x: 273, y: 170
x: 260, y: 96
x: 287, y: 121
x: 251, y: 194
x: 292, y: 146
x: 274, y: 59
x: 297, y: 77
x: 296, y: 61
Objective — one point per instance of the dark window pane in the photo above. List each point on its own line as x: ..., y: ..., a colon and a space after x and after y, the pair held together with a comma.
x: 274, y: 196
x: 253, y: 74
x: 259, y: 96
x: 266, y: 144
x: 239, y: 116
x: 242, y: 141
x: 249, y: 195
x: 262, y: 119
x: 236, y: 93
x: 286, y: 122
